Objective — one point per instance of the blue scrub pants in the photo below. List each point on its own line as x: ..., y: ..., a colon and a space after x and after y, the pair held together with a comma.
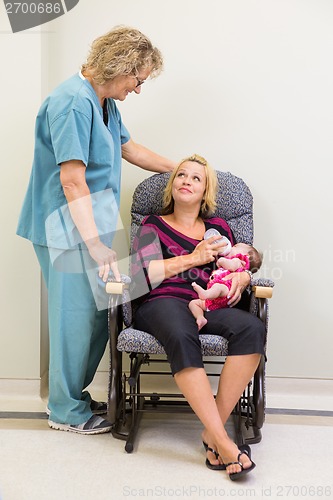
x: 78, y: 333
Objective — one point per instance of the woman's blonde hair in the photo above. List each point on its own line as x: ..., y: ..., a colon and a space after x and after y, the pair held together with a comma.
x: 122, y: 51
x: 208, y: 204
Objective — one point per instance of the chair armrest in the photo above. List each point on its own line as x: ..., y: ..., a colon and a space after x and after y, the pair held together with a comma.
x: 120, y: 289
x: 262, y: 282
x: 117, y: 287
x: 262, y: 292
x: 118, y: 298
x: 262, y: 288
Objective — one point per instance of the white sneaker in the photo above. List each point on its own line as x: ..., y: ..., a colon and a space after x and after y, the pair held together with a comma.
x: 95, y: 425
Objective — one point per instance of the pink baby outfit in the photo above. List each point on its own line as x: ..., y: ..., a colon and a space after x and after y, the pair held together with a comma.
x: 217, y: 277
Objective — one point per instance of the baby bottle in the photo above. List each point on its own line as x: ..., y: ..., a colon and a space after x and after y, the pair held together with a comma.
x: 219, y: 238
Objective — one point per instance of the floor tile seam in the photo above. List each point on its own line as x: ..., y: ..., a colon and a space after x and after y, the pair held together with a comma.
x: 31, y: 415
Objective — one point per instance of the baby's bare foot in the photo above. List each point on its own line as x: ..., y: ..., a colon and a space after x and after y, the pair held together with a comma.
x: 201, y: 322
x: 200, y: 291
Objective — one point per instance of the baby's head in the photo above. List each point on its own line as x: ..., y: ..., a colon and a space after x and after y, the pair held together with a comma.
x: 255, y: 257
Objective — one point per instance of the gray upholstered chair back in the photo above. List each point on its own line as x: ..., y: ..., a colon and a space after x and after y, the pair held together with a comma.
x: 234, y: 203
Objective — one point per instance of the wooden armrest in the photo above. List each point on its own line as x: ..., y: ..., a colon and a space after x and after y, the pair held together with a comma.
x: 263, y: 292
x: 115, y: 287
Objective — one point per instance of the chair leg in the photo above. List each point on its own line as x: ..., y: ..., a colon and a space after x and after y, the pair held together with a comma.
x: 259, y: 394
x: 114, y: 327
x: 253, y: 414
x: 237, y: 419
x: 114, y: 393
x: 131, y: 404
x: 136, y: 418
x: 248, y: 414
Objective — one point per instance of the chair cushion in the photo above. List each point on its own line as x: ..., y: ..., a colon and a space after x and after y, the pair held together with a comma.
x: 131, y: 340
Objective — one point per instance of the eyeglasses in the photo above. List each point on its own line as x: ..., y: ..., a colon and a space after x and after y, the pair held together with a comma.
x: 140, y: 82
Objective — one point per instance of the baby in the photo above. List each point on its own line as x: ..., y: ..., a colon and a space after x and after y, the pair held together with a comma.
x: 240, y: 257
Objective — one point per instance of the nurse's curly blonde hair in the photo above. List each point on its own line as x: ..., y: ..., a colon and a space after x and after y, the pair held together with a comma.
x: 122, y: 51
x: 208, y: 204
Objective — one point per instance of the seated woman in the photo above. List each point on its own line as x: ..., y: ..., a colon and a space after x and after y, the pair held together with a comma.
x: 169, y: 253
x: 240, y: 257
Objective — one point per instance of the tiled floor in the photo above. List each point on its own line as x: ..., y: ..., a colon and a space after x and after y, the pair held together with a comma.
x: 294, y: 460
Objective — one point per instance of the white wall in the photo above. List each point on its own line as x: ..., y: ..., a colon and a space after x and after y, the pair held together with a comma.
x: 20, y: 282
x: 247, y: 84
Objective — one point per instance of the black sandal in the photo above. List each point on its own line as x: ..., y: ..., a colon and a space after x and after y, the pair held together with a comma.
x: 234, y: 476
x: 210, y: 465
x: 244, y: 448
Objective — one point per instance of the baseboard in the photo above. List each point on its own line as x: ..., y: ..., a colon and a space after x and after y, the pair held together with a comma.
x: 21, y: 395
x: 301, y: 394
x: 281, y: 393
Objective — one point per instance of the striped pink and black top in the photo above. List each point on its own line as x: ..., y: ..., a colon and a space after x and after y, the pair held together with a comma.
x: 156, y: 240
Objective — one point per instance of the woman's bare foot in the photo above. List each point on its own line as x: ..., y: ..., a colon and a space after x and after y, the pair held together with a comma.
x: 212, y: 456
x: 229, y: 452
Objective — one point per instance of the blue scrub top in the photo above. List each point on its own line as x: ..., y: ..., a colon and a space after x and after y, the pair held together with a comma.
x: 69, y: 126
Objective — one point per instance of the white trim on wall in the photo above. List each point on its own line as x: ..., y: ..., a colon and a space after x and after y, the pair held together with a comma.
x: 281, y: 393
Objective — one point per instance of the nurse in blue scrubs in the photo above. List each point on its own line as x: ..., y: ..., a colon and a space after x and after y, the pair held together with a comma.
x: 70, y: 212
